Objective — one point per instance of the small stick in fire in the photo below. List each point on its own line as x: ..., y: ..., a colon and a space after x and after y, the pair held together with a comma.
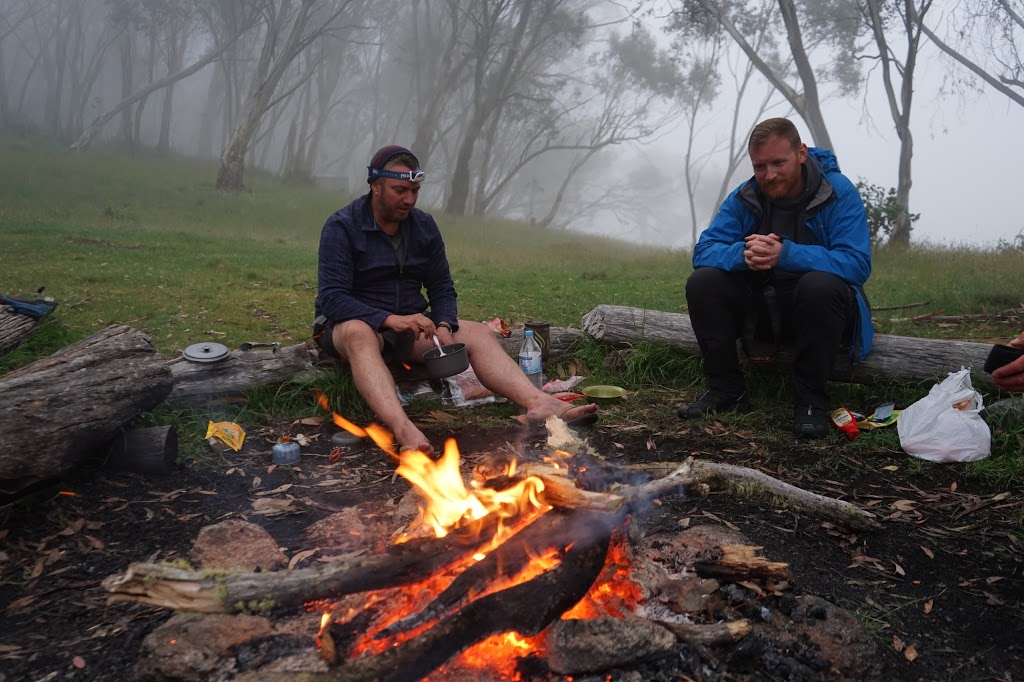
x: 326, y: 641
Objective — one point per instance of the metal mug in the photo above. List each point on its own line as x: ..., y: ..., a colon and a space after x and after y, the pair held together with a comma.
x: 541, y: 332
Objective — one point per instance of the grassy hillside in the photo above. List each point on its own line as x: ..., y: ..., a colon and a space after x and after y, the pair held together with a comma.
x: 148, y: 242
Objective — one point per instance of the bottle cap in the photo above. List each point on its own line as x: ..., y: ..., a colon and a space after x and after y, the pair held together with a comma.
x: 528, y: 332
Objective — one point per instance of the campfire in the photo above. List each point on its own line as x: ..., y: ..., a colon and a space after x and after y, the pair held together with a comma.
x: 493, y: 575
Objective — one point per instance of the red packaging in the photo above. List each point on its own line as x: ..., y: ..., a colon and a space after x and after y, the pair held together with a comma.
x: 845, y: 422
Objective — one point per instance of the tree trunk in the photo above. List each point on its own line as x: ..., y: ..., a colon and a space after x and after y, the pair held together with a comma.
x: 900, y: 359
x: 811, y: 109
x: 61, y: 409
x: 268, y: 75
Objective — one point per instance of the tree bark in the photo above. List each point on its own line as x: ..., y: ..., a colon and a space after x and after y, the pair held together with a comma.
x: 149, y: 451
x: 198, y: 382
x: 14, y: 329
x: 901, y: 359
x: 61, y: 409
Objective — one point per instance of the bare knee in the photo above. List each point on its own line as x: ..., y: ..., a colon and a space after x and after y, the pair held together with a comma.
x: 352, y: 335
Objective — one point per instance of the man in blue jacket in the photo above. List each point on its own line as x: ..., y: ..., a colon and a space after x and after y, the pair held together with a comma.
x: 377, y: 256
x: 784, y: 260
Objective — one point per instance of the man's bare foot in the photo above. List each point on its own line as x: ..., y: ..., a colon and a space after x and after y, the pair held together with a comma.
x: 412, y: 438
x: 537, y: 414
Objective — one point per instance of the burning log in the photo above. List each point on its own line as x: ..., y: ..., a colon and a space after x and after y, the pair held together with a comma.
x: 894, y: 358
x: 526, y: 608
x: 552, y: 530
x: 196, y: 591
x: 64, y: 408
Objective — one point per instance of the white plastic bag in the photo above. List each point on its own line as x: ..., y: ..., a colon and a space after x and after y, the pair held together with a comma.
x: 946, y: 425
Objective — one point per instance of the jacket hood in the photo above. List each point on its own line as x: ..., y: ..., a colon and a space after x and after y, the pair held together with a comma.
x: 825, y: 158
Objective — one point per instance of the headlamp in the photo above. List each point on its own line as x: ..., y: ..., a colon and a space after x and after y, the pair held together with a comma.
x: 411, y: 176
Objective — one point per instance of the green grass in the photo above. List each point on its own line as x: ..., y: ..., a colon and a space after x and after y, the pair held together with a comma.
x: 148, y: 242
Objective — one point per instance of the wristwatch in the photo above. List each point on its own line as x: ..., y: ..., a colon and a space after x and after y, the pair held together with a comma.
x: 452, y: 328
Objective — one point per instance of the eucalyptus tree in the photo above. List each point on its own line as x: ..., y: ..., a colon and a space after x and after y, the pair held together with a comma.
x: 626, y: 92
x: 13, y: 15
x: 985, y: 37
x: 288, y: 28
x: 512, y: 45
x: 890, y: 23
x: 816, y: 32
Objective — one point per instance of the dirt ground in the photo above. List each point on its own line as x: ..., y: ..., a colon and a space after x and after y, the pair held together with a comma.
x: 939, y: 585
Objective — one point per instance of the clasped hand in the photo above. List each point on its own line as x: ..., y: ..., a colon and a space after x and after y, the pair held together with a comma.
x: 762, y: 251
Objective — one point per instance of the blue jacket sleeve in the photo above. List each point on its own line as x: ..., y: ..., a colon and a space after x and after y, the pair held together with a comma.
x: 721, y: 244
x: 334, y: 274
x: 842, y: 228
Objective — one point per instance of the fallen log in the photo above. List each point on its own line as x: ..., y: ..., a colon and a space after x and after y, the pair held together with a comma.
x: 199, y: 382
x: 14, y: 329
x: 746, y: 482
x: 708, y: 634
x: 64, y: 408
x: 901, y: 359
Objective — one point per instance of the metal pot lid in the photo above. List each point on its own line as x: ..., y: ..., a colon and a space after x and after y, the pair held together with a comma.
x: 208, y: 351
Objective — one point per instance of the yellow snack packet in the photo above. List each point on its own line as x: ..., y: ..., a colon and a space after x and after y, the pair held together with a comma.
x: 229, y: 433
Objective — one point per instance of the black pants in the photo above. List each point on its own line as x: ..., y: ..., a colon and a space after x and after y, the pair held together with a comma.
x: 816, y: 314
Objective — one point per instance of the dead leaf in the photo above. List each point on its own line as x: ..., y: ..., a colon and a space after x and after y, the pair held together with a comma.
x: 72, y: 528
x: 1000, y: 497
x: 650, y: 444
x: 276, y: 491
x: 312, y: 421
x: 897, y: 643
x: 685, y: 523
x: 272, y: 506
x: 910, y: 653
x: 302, y: 440
x: 928, y: 552
x: 300, y: 556
x: 904, y: 505
x: 891, y: 467
x: 149, y: 514
x: 78, y: 662
x: 94, y: 542
x: 19, y: 604
x: 899, y: 569
x: 928, y: 606
x: 256, y: 481
x: 952, y: 487
x: 993, y: 579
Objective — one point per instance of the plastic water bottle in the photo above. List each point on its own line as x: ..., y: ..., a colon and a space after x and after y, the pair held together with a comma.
x: 530, y: 359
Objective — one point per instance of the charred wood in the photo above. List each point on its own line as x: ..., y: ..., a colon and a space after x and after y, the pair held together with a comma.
x: 209, y: 592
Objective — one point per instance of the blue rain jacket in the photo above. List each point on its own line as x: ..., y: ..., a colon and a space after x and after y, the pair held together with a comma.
x: 835, y: 217
x: 360, y: 278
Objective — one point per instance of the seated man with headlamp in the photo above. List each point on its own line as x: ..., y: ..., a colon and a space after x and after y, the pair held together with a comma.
x: 385, y: 290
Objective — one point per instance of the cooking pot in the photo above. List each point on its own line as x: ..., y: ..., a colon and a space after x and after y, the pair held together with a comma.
x: 454, y: 361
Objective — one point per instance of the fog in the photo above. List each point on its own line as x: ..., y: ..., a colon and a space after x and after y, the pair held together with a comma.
x: 570, y: 114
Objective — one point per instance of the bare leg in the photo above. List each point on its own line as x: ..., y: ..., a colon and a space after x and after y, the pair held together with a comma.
x: 501, y: 374
x: 360, y: 346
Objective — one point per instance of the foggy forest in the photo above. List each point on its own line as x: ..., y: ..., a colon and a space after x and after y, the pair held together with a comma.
x: 521, y: 109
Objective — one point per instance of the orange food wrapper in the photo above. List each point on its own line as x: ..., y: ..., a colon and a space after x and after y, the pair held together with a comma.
x: 498, y: 326
x: 229, y: 433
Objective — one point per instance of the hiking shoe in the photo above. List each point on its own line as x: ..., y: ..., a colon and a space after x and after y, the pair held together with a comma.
x: 810, y: 422
x: 715, y: 401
